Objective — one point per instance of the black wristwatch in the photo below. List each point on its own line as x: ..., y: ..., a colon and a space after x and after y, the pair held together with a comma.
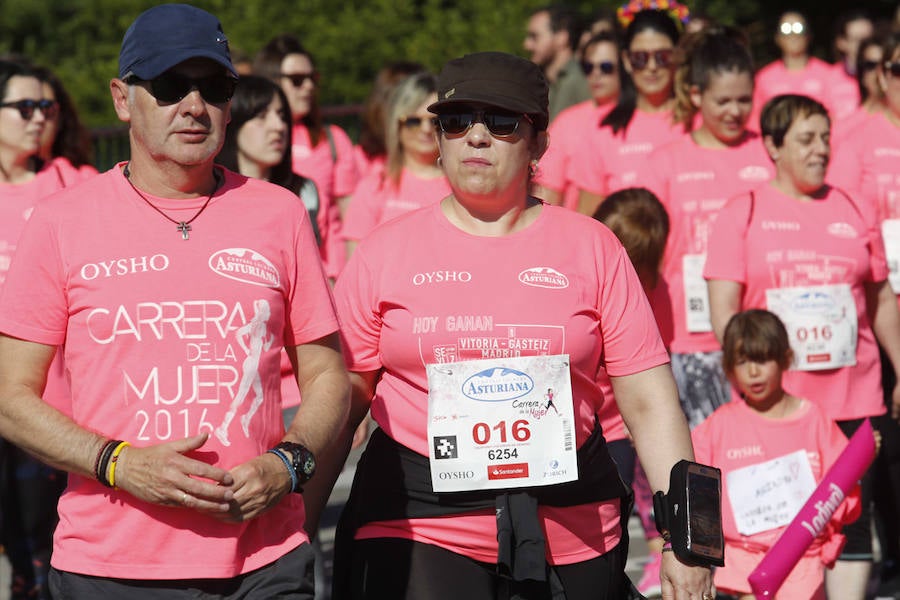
x: 302, y: 460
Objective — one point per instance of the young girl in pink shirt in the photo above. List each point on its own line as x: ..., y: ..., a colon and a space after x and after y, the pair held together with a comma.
x: 770, y: 433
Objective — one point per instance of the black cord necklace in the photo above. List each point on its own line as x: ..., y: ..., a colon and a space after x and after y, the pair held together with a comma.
x: 183, y: 226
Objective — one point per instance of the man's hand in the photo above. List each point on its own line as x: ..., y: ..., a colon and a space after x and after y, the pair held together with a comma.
x: 163, y: 474
x: 259, y: 484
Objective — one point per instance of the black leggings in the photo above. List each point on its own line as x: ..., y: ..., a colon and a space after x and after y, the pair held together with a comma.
x: 403, y: 569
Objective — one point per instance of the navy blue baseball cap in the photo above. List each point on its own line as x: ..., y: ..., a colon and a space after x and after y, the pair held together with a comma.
x: 168, y: 34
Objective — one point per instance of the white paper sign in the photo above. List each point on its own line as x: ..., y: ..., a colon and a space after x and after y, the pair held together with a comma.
x: 769, y: 494
x: 501, y: 423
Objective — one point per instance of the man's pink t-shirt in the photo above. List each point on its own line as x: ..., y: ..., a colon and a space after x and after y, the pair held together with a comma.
x: 734, y: 437
x: 789, y: 244
x: 335, y: 178
x: 568, y: 138
x: 814, y: 80
x: 377, y: 200
x: 693, y: 183
x: 162, y: 337
x: 420, y: 291
x: 611, y: 161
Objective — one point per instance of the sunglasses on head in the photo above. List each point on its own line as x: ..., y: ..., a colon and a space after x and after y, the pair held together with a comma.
x: 298, y: 79
x: 498, y: 122
x: 892, y: 68
x: 606, y: 67
x: 641, y: 58
x: 169, y: 88
x: 414, y: 122
x: 26, y: 108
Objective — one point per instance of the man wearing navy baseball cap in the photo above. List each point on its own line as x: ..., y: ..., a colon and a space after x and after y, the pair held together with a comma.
x: 174, y: 287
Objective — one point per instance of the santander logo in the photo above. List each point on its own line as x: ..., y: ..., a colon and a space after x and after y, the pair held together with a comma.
x: 246, y: 266
x: 544, y: 277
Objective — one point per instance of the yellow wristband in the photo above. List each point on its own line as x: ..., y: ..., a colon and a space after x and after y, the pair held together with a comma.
x: 113, y: 460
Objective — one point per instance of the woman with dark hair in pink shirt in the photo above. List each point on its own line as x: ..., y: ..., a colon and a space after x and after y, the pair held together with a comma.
x: 641, y: 120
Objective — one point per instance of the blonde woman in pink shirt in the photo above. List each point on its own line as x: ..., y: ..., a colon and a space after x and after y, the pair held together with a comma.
x: 443, y: 311
x: 411, y: 176
x: 602, y: 65
x: 813, y: 255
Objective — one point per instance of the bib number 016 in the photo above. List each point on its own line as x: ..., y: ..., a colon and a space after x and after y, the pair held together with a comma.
x: 518, y: 431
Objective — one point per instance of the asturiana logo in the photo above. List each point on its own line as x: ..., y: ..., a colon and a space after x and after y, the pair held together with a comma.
x: 813, y: 303
x: 497, y: 384
x: 544, y: 277
x: 245, y: 265
x: 753, y: 173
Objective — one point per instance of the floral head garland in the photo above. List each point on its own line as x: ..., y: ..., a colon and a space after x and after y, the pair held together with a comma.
x: 626, y: 12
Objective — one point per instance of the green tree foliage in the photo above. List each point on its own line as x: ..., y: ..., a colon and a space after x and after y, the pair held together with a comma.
x: 350, y: 39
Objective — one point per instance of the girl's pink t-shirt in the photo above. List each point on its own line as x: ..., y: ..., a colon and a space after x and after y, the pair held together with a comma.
x: 776, y: 241
x: 734, y: 437
x: 568, y: 138
x: 418, y: 291
x: 378, y: 200
x: 611, y: 161
x: 335, y: 177
x: 693, y: 183
x: 162, y: 337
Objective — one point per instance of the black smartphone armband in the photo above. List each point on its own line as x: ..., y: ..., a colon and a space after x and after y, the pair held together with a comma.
x: 690, y: 515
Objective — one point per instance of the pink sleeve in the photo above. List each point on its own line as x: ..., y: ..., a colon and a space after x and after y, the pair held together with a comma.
x: 33, y: 302
x: 310, y: 312
x: 631, y: 340
x: 346, y: 175
x: 364, y: 209
x: 587, y: 171
x: 360, y: 322
x: 726, y: 256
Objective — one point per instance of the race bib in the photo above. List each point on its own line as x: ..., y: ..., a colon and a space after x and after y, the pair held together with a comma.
x: 769, y: 495
x: 501, y: 423
x: 696, y: 295
x: 890, y: 231
x: 821, y: 324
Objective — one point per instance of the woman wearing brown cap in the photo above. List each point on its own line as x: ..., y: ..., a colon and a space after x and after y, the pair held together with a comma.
x: 476, y: 329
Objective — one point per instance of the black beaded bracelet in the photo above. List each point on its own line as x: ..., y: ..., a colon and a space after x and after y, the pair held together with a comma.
x: 102, y: 463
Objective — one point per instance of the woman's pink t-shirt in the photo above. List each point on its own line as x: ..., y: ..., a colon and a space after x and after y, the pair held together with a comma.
x: 815, y: 80
x: 418, y: 290
x: 791, y: 243
x: 693, y: 183
x: 378, y: 200
x: 611, y: 161
x: 335, y: 177
x: 734, y: 437
x: 162, y: 335
x: 568, y: 138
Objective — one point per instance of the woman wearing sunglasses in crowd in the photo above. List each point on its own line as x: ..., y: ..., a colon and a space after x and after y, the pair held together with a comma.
x: 812, y: 254
x: 603, y: 69
x: 453, y: 497
x: 28, y: 489
x: 641, y: 119
x: 323, y: 152
x: 411, y: 177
